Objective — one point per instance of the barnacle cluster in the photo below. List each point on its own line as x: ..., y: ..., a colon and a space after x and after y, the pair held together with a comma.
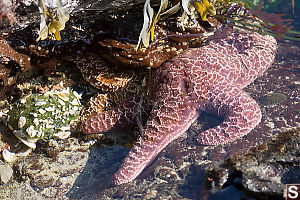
x: 42, y: 116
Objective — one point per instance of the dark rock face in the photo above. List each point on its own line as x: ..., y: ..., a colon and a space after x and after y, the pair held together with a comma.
x: 265, y: 169
x: 12, y: 63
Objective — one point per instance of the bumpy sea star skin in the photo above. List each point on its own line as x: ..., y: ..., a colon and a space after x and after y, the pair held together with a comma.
x: 208, y: 79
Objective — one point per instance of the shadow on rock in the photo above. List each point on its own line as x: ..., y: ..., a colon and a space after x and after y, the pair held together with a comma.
x: 100, y: 167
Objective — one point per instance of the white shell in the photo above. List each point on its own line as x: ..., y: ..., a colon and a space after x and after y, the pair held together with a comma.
x: 40, y: 103
x: 75, y: 102
x: 42, y: 111
x: 50, y: 126
x: 61, y: 102
x: 23, y: 101
x: 77, y: 95
x: 36, y: 121
x: 65, y: 128
x: 62, y: 134
x: 63, y: 95
x: 8, y: 156
x: 30, y: 142
x: 49, y: 109
x: 21, y: 122
x: 31, y: 131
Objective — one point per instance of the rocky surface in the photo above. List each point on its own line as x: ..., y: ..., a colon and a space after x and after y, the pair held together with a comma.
x: 262, y: 172
x: 75, y: 169
x: 47, y: 173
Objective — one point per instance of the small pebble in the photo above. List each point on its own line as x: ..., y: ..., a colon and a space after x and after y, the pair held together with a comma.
x: 8, y: 156
x: 6, y: 173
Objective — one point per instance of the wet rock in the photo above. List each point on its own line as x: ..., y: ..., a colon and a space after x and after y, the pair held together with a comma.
x: 3, y: 143
x: 51, y: 177
x: 17, y: 15
x: 11, y: 64
x: 265, y: 169
x: 6, y: 173
x: 294, y: 86
x: 7, y: 51
x: 180, y: 170
x: 4, y: 75
x: 7, y: 11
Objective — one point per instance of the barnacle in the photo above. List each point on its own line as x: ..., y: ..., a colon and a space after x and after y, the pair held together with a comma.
x: 57, y: 20
x: 40, y: 116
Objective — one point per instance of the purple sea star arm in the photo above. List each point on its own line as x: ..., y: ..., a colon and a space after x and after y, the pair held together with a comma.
x: 170, y: 117
x: 155, y: 138
x: 125, y: 115
x: 241, y: 114
x: 240, y: 111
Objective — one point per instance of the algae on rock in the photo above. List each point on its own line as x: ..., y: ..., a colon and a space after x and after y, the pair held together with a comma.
x: 41, y: 116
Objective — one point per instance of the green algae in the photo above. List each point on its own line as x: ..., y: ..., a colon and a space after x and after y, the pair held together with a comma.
x: 272, y: 99
x: 40, y: 116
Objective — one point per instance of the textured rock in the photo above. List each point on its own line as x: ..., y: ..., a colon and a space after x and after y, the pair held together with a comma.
x: 265, y: 169
x: 11, y: 64
x: 179, y: 171
x: 50, y: 173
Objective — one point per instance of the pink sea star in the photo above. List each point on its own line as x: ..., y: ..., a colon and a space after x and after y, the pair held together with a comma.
x: 210, y: 79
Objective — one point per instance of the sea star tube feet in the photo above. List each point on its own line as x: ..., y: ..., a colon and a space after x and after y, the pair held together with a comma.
x: 210, y: 79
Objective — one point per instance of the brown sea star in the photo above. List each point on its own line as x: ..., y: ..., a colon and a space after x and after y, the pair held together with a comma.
x: 210, y: 79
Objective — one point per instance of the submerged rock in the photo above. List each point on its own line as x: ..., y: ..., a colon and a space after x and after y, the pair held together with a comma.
x: 264, y: 170
x: 273, y: 98
x: 48, y: 173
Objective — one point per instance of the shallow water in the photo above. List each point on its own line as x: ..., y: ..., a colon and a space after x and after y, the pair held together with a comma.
x: 180, y: 170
